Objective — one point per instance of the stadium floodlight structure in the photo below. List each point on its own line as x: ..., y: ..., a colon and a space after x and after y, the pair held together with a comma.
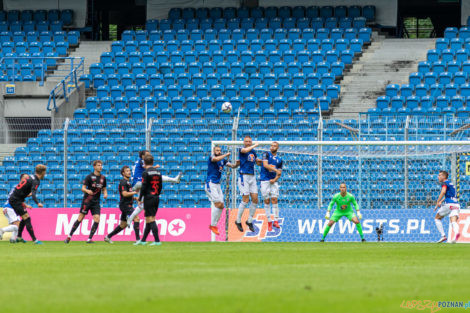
x: 381, y: 174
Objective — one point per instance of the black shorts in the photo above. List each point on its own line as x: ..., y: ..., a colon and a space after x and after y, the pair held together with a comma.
x: 126, y: 210
x: 18, y: 207
x: 90, y: 206
x: 151, y: 206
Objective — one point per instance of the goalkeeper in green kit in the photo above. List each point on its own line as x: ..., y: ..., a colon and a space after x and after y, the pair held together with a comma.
x: 343, y: 201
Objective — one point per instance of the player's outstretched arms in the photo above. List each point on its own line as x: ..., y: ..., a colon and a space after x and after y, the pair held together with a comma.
x: 220, y: 157
x: 248, y: 149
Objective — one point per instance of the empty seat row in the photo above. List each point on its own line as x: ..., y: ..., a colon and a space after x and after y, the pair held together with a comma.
x: 257, y: 23
x: 72, y: 37
x: 272, y: 12
x: 425, y: 102
x: 23, y: 49
x: 448, y: 55
x: 249, y: 34
x: 444, y: 78
x: 116, y: 80
x: 441, y: 66
x: 431, y: 90
x: 31, y: 26
x: 297, y: 108
x: 250, y: 67
x: 106, y: 96
x: 310, y: 54
x: 454, y: 32
x: 239, y: 45
x: 65, y: 16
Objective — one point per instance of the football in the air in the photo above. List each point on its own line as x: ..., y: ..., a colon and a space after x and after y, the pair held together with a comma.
x: 226, y: 107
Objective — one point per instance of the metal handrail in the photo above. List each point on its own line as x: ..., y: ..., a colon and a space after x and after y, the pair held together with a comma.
x: 60, y: 90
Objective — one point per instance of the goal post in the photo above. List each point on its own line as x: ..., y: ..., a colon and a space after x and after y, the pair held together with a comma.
x: 381, y: 174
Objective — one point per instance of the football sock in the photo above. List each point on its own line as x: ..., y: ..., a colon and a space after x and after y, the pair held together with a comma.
x: 325, y: 232
x: 29, y: 228
x: 241, y: 209
x: 116, y: 231
x: 154, y: 227
x: 21, y: 228
x: 455, y: 227
x: 359, y: 229
x: 74, y: 227
x: 137, y: 231
x: 439, y: 226
x: 267, y: 211
x: 146, y: 231
x: 215, y: 215
x: 94, y: 227
x: 252, y: 212
x: 276, y: 211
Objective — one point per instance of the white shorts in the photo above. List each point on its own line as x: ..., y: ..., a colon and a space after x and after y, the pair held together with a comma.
x: 451, y: 209
x: 269, y: 190
x: 214, y: 192
x: 10, y: 215
x: 247, y: 184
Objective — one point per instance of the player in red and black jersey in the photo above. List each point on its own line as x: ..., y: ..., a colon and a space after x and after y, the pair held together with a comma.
x: 27, y: 186
x: 125, y: 205
x: 93, y: 185
x: 150, y: 194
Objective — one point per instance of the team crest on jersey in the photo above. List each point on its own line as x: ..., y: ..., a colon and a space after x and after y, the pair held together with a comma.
x: 251, y: 157
x: 261, y: 228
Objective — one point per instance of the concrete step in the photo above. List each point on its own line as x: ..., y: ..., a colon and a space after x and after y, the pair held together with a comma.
x: 8, y: 150
x: 385, y: 61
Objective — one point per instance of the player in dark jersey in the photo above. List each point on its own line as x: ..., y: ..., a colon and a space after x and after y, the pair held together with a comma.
x: 125, y: 205
x: 12, y: 217
x: 93, y: 185
x: 150, y: 194
x: 28, y: 186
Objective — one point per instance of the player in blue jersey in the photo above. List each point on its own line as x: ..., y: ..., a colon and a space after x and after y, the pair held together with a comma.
x: 247, y: 159
x: 269, y: 176
x: 448, y: 204
x: 138, y: 169
x: 215, y: 166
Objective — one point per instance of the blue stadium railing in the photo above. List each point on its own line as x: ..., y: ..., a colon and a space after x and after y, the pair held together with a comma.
x: 68, y: 83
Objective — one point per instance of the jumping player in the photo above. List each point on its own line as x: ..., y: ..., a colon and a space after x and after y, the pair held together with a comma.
x: 150, y: 194
x: 247, y: 182
x: 215, y: 166
x: 343, y: 201
x: 125, y: 205
x: 12, y: 217
x: 93, y: 185
x: 269, y: 176
x: 27, y: 186
x: 137, y: 182
x: 448, y: 204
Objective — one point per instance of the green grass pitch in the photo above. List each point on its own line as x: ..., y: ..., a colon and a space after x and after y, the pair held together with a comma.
x: 230, y: 277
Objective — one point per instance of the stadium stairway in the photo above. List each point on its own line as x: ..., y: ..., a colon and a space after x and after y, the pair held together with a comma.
x: 8, y: 150
x: 385, y: 61
x: 91, y: 51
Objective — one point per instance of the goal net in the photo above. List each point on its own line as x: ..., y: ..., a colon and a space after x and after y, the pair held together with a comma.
x: 381, y: 174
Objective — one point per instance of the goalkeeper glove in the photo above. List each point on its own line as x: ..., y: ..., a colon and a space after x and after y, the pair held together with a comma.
x: 327, y: 216
x: 359, y: 215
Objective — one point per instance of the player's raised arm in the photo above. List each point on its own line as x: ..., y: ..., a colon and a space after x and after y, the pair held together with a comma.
x: 220, y: 157
x: 248, y: 149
